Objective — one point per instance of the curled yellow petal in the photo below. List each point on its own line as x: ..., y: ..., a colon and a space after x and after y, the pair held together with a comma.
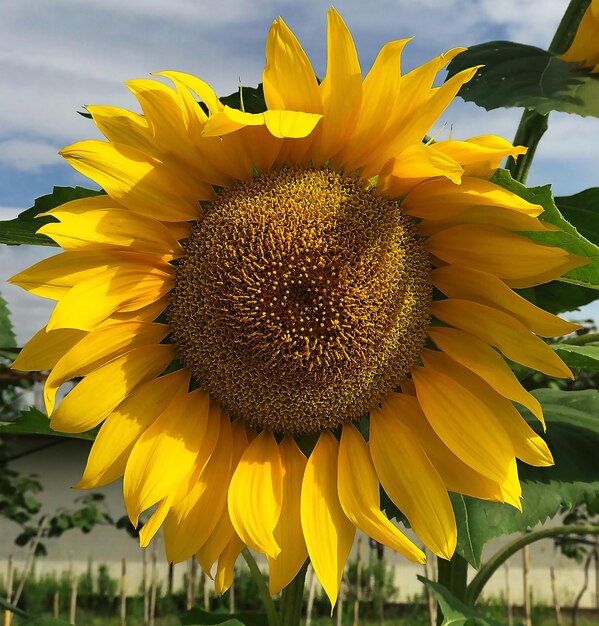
x: 358, y: 488
x: 502, y: 331
x: 328, y: 532
x: 165, y: 454
x: 288, y: 533
x: 123, y: 427
x: 410, y: 479
x: 255, y: 494
x: 96, y: 396
x: 480, y: 358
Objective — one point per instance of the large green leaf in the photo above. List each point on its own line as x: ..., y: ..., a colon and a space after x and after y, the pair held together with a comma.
x: 573, y: 436
x: 22, y: 229
x: 567, y: 237
x: 34, y: 422
x: 7, y: 336
x: 253, y: 99
x: 586, y: 357
x: 455, y: 612
x: 582, y: 210
x: 518, y: 75
x: 198, y: 617
x: 558, y: 297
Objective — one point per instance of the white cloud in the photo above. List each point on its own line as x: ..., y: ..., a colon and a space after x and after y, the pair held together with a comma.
x: 27, y: 155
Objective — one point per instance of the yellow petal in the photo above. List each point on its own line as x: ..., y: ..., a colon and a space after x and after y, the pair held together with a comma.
x: 440, y: 199
x: 255, y: 494
x: 225, y: 572
x: 480, y: 156
x: 468, y: 427
x: 224, y: 531
x: 118, y: 289
x: 96, y: 349
x: 499, y: 252
x: 583, y: 48
x: 413, y: 483
x: 97, y: 395
x: 53, y: 277
x: 502, y: 331
x: 119, y: 228
x: 138, y: 181
x: 203, y: 90
x: 288, y: 533
x: 329, y: 534
x: 470, y: 284
x: 412, y: 166
x: 44, y: 349
x: 192, y: 519
x: 528, y: 446
x: 122, y: 126
x: 288, y: 78
x: 123, y: 427
x: 480, y: 358
x: 380, y: 94
x: 152, y: 526
x: 341, y: 89
x: 292, y: 124
x: 358, y: 487
x: 165, y: 454
x: 456, y: 475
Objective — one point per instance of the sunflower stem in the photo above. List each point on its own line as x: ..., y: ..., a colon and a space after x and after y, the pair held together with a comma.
x: 500, y: 557
x: 271, y: 613
x: 533, y: 125
x: 292, y: 598
x: 453, y: 575
x: 580, y: 340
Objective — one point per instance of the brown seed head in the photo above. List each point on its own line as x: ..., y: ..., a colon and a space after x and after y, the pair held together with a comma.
x: 302, y: 299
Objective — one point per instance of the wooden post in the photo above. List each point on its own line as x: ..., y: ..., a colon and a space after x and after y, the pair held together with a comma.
x: 597, y: 572
x: 189, y: 594
x: 340, y: 600
x: 73, y: 602
x: 9, y: 583
x: 508, y: 595
x: 123, y: 590
x: 358, y: 582
x: 145, y: 586
x: 311, y: 593
x: 153, y: 584
x: 430, y: 598
x: 56, y: 605
x: 205, y: 590
x: 556, y: 607
x: 525, y: 589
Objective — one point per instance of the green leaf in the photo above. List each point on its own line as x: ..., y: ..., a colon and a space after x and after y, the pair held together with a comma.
x: 7, y: 336
x: 567, y: 237
x: 44, y: 620
x: 573, y: 437
x: 518, y: 75
x: 34, y: 422
x: 253, y: 99
x: 586, y: 357
x: 455, y: 612
x: 558, y: 297
x: 22, y: 229
x: 198, y: 617
x: 582, y: 210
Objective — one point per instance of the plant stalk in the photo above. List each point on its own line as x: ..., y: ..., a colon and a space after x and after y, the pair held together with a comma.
x: 499, y: 558
x: 292, y: 599
x: 453, y: 575
x: 271, y: 613
x: 533, y: 125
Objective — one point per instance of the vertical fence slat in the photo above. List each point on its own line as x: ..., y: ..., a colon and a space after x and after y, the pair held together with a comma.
x: 9, y: 584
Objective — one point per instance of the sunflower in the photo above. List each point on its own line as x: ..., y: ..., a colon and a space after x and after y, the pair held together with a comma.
x: 584, y: 49
x: 252, y: 285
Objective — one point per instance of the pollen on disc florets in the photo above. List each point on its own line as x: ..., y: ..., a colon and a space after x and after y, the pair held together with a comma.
x: 302, y: 299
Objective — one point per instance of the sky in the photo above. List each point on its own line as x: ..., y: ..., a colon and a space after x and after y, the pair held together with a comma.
x: 59, y: 55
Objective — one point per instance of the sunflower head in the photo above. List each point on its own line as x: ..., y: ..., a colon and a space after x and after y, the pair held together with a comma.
x: 250, y: 278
